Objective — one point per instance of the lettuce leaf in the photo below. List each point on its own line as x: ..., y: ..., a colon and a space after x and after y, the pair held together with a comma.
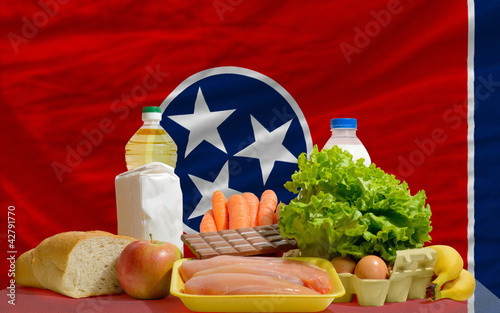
x: 346, y: 208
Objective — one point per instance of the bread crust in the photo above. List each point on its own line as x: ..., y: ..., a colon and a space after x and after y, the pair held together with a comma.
x: 24, y: 270
x: 50, y: 260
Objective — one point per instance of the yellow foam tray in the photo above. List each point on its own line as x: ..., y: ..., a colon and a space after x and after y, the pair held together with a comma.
x: 260, y: 303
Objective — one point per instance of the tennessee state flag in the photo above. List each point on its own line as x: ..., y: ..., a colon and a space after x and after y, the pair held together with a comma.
x: 245, y: 87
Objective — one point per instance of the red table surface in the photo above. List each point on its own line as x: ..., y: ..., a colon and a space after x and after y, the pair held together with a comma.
x: 37, y: 300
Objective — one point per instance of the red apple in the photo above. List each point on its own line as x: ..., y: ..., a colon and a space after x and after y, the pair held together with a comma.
x: 145, y: 268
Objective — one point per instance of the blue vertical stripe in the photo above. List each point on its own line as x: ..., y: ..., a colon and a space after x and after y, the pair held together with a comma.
x: 487, y: 144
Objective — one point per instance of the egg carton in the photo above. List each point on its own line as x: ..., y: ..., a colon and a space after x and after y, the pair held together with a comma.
x: 412, y: 271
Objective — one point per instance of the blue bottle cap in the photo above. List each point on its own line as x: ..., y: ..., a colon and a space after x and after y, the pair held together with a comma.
x: 343, y: 123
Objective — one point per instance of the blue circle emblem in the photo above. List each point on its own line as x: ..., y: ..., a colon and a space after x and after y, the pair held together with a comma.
x: 236, y: 131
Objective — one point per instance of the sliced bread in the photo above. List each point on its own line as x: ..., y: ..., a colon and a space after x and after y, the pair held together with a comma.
x: 75, y: 264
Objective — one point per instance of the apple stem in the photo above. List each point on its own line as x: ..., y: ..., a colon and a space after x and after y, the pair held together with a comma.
x: 151, y: 236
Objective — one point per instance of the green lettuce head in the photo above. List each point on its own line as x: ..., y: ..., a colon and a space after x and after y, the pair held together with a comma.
x: 345, y: 208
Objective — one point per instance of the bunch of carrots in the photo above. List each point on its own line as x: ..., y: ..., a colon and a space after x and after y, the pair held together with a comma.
x: 240, y: 211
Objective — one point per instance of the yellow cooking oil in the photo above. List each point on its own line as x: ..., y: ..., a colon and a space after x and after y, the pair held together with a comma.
x: 151, y: 143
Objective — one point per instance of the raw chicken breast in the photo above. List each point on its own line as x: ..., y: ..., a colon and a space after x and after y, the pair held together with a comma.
x: 246, y: 269
x: 243, y: 284
x: 189, y: 267
x: 310, y: 275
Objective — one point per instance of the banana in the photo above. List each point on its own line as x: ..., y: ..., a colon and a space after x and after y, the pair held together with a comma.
x: 449, y: 265
x: 459, y: 289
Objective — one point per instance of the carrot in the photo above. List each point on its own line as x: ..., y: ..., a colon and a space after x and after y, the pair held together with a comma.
x: 277, y: 213
x: 207, y: 222
x: 219, y: 206
x: 268, y: 203
x: 238, y: 212
x: 253, y: 207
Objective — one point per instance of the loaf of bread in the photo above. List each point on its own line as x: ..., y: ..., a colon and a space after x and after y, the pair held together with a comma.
x: 75, y: 264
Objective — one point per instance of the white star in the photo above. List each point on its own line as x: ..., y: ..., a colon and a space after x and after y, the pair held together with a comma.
x: 207, y: 188
x: 268, y: 147
x: 202, y: 124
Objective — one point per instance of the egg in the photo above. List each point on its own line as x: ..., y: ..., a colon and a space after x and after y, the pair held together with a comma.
x: 344, y: 264
x: 371, y: 267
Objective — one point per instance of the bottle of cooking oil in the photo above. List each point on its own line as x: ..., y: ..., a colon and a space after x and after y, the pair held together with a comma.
x: 150, y: 143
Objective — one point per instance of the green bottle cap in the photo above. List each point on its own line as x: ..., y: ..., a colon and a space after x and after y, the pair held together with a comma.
x: 151, y: 110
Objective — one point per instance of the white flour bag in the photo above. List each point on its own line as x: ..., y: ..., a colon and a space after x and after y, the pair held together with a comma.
x: 149, y: 201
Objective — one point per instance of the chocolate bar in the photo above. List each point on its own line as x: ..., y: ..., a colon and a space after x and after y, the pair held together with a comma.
x: 256, y: 240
